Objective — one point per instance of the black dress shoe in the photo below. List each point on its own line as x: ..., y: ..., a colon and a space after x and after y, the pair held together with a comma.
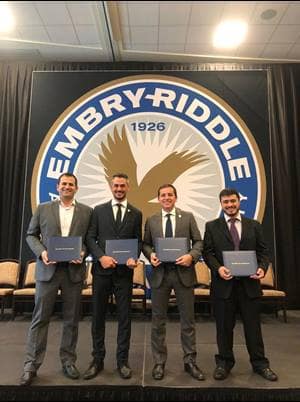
x: 220, y: 373
x: 125, y: 371
x: 158, y: 371
x: 70, y: 371
x: 93, y: 369
x: 27, y: 377
x: 194, y: 371
x: 266, y: 373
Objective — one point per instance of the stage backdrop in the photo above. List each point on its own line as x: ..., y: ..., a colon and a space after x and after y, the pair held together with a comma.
x: 201, y: 131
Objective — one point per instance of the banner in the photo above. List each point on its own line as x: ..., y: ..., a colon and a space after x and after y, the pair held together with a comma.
x: 200, y: 131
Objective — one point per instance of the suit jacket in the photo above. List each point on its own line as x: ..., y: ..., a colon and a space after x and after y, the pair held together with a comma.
x: 186, y: 226
x: 103, y: 227
x: 217, y: 238
x: 45, y: 223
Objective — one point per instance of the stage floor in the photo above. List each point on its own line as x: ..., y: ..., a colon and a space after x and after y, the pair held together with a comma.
x: 282, y: 345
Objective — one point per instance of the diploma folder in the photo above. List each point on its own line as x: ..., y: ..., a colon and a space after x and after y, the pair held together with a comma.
x: 122, y: 249
x: 61, y: 248
x: 240, y: 263
x: 168, y: 249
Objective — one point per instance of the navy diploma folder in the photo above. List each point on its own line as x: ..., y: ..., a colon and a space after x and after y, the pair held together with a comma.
x: 168, y: 249
x: 122, y: 249
x: 64, y: 248
x: 240, y: 263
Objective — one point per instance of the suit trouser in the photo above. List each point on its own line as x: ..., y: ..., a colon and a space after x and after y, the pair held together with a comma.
x: 225, y: 312
x: 121, y: 287
x: 45, y: 297
x: 185, y: 303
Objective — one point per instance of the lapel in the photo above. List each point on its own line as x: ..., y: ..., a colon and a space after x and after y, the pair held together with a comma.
x: 126, y: 216
x: 55, y: 211
x: 74, y: 219
x: 245, y: 225
x: 225, y: 230
x: 158, y: 222
x: 178, y: 222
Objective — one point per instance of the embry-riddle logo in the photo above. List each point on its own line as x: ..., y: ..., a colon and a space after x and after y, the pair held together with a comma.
x: 157, y: 129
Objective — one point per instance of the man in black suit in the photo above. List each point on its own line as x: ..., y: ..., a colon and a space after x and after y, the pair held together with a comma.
x: 62, y: 217
x: 231, y: 294
x: 178, y: 275
x: 116, y: 219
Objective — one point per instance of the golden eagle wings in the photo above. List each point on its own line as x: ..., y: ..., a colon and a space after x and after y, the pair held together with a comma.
x: 117, y: 157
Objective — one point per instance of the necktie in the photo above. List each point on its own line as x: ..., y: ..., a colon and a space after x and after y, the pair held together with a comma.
x: 119, y: 216
x: 169, y: 230
x: 234, y: 233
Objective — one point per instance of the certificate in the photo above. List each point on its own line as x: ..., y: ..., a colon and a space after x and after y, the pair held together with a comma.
x: 64, y: 248
x: 168, y: 249
x: 240, y: 263
x: 122, y: 249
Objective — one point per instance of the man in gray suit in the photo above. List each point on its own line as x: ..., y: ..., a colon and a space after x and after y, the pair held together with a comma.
x: 63, y: 217
x: 180, y: 276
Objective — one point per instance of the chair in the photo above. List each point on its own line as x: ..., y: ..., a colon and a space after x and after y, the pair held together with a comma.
x: 26, y: 292
x: 271, y: 294
x: 202, y: 289
x: 9, y: 278
x: 139, y: 285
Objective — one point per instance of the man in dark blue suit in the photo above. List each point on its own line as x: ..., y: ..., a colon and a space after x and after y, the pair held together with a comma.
x: 116, y: 219
x: 231, y: 294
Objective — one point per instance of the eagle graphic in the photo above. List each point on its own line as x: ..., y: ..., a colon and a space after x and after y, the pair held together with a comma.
x: 117, y: 157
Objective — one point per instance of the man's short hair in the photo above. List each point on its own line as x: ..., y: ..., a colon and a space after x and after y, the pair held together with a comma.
x: 120, y: 175
x: 226, y: 192
x: 165, y: 186
x: 68, y: 175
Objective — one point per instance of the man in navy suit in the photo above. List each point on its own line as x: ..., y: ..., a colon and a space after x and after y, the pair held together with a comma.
x: 231, y: 294
x: 62, y: 217
x: 116, y: 219
x: 179, y: 275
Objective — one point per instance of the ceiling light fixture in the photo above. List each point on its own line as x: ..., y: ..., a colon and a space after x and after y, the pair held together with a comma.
x: 229, y: 34
x: 7, y: 22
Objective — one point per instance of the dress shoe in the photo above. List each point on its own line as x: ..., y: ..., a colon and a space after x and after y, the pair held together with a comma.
x: 70, y: 371
x: 93, y: 370
x: 266, y: 373
x: 27, y: 377
x: 220, y: 373
x: 125, y: 371
x: 158, y: 371
x: 194, y: 371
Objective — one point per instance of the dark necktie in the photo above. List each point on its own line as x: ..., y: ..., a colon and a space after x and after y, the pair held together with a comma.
x: 119, y: 216
x: 169, y: 230
x: 234, y: 233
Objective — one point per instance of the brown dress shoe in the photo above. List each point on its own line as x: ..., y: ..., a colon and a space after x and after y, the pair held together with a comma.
x: 266, y: 373
x: 125, y: 371
x: 158, y: 371
x: 93, y: 369
x: 194, y: 371
x: 27, y: 377
x: 220, y: 373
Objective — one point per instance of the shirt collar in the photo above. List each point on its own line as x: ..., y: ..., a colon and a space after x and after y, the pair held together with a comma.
x: 172, y: 213
x: 123, y: 203
x: 64, y: 206
x: 237, y: 217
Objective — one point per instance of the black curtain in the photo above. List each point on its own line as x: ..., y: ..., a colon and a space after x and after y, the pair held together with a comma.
x: 284, y: 95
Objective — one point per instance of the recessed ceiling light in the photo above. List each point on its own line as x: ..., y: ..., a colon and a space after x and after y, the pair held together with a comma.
x: 7, y: 21
x: 268, y: 14
x: 229, y: 34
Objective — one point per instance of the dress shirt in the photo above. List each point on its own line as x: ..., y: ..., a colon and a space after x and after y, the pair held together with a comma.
x: 65, y: 217
x: 238, y: 223
x: 173, y: 220
x: 115, y: 204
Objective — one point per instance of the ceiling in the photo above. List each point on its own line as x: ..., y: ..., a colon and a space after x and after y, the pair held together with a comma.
x: 149, y: 31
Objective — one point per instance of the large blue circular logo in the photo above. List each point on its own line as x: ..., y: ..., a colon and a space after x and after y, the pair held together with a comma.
x: 157, y: 129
